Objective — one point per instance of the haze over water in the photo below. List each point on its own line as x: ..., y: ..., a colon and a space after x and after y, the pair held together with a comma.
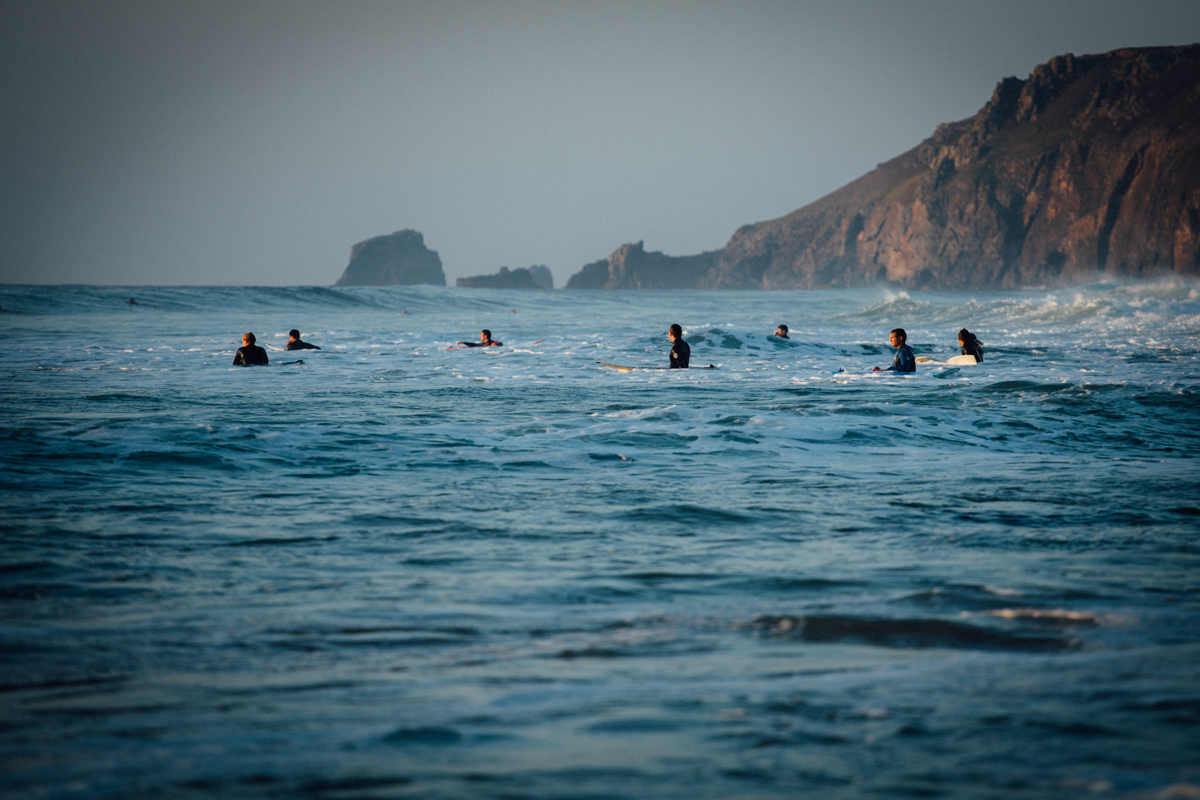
x: 398, y: 570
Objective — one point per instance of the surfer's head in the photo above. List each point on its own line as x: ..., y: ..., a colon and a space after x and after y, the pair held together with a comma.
x: 898, y: 337
x: 485, y: 336
x: 675, y: 332
x: 965, y: 337
x: 294, y: 335
x: 248, y: 338
x: 781, y: 331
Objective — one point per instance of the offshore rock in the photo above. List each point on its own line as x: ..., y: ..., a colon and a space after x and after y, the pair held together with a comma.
x: 631, y: 267
x: 398, y: 259
x: 536, y: 277
x: 1091, y: 165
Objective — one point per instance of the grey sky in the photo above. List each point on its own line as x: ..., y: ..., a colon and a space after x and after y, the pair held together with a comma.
x: 254, y: 143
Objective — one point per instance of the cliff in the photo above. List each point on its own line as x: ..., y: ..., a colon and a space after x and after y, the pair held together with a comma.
x: 631, y: 267
x: 1090, y: 165
x: 536, y: 277
x: 398, y: 259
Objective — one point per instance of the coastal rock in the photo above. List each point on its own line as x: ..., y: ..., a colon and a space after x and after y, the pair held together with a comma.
x: 536, y: 277
x: 1091, y: 165
x: 398, y: 259
x: 632, y: 267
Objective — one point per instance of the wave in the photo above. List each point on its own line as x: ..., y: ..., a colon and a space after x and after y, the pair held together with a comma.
x: 1165, y: 307
x: 402, y: 299
x: 746, y: 323
x: 905, y: 633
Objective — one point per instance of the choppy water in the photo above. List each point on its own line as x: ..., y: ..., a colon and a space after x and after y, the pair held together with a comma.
x: 402, y: 571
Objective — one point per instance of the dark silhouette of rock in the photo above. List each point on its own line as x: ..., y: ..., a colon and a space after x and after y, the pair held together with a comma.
x: 592, y: 276
x: 631, y: 267
x: 399, y: 259
x: 1091, y: 165
x: 542, y: 277
x: 536, y: 277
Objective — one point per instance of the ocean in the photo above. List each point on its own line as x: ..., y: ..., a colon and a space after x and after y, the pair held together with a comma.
x: 401, y: 570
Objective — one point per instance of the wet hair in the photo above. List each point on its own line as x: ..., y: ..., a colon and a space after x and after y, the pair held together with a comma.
x: 900, y: 332
x: 295, y: 334
x: 677, y: 331
x: 486, y: 333
x: 783, y: 328
x: 249, y: 337
x: 966, y: 336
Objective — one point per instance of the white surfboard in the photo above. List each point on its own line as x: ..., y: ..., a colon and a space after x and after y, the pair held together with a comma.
x: 956, y: 361
x: 621, y: 368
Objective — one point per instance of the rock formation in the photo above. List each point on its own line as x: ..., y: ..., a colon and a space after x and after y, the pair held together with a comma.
x: 1091, y: 165
x: 536, y: 277
x: 631, y: 267
x: 399, y: 259
x: 542, y: 277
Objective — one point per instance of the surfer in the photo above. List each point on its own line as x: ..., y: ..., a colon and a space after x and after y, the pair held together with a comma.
x: 904, y: 360
x: 485, y: 340
x: 250, y: 354
x: 970, y: 345
x: 781, y: 332
x: 681, y: 352
x: 294, y: 342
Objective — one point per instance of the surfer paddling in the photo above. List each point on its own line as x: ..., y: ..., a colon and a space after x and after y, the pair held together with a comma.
x: 485, y: 340
x: 250, y: 354
x: 904, y: 360
x: 294, y: 342
x: 681, y: 351
x: 970, y: 345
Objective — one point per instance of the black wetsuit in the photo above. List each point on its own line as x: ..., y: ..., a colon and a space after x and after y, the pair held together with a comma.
x: 903, y: 361
x: 299, y: 345
x: 681, y: 354
x: 250, y: 355
x: 973, y: 348
x: 481, y: 344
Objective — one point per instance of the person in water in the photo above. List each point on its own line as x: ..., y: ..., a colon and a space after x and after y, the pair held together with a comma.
x: 681, y: 351
x: 781, y: 332
x: 970, y: 345
x: 294, y: 342
x: 250, y: 354
x: 904, y: 360
x: 485, y: 340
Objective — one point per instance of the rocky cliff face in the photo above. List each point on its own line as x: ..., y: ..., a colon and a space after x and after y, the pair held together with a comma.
x: 1090, y: 165
x: 536, y: 277
x: 631, y: 267
x: 398, y: 259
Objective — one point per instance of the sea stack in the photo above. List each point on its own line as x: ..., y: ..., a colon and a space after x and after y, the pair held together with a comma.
x: 398, y: 259
x: 536, y: 277
x: 632, y: 267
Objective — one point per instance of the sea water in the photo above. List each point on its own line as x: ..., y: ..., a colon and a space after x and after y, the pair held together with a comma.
x: 404, y: 570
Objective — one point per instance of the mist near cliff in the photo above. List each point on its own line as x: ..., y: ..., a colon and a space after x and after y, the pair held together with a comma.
x: 222, y: 143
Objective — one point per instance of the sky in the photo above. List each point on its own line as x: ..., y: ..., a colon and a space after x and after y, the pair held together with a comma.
x: 253, y: 143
